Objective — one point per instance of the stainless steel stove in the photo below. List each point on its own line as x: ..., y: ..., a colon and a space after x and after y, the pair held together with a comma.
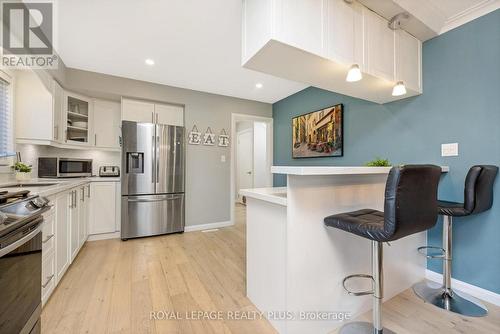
x: 21, y: 223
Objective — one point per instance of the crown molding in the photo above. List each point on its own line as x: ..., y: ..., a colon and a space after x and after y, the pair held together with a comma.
x: 471, y: 13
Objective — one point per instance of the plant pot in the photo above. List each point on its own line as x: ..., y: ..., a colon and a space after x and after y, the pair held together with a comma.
x: 23, y: 176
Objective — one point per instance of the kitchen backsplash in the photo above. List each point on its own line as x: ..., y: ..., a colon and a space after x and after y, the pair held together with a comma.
x: 31, y: 153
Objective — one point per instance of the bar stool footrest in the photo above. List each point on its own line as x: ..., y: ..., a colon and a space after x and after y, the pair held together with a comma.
x: 357, y: 293
x: 423, y: 250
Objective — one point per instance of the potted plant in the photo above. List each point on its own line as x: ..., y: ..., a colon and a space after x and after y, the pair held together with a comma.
x: 378, y: 162
x: 23, y: 171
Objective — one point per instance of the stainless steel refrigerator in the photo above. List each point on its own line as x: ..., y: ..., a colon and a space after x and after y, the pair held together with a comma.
x: 153, y: 200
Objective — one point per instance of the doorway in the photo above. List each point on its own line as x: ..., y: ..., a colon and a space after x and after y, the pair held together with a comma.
x: 252, y: 151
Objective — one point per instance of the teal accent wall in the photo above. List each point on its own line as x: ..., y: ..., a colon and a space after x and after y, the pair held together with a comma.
x: 460, y: 103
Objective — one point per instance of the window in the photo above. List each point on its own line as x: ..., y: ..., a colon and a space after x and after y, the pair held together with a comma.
x: 6, y: 117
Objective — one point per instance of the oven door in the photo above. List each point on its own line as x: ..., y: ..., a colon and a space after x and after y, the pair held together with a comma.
x: 20, y: 278
x: 74, y: 167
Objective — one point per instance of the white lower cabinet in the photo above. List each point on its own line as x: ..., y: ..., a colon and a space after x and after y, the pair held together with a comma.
x: 48, y: 252
x: 103, y: 208
x: 74, y: 214
x: 63, y: 202
x: 48, y: 276
x: 74, y: 223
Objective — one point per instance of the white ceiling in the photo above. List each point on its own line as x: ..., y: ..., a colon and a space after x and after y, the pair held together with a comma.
x: 196, y: 44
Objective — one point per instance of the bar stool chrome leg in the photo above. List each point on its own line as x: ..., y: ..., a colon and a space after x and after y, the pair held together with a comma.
x: 376, y: 327
x: 443, y: 296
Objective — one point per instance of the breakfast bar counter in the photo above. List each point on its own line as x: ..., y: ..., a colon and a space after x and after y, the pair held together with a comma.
x: 295, y: 266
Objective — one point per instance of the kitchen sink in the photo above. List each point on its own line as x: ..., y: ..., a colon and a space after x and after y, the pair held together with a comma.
x: 26, y: 185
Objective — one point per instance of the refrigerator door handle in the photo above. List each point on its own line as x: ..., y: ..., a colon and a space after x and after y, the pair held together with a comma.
x: 157, y: 159
x: 170, y: 198
x: 153, y: 165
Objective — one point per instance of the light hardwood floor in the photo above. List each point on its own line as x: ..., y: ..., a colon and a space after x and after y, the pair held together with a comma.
x: 113, y: 287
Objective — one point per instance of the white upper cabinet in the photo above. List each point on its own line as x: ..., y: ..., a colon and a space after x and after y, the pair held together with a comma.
x: 138, y: 111
x: 316, y: 41
x: 34, y: 113
x: 58, y: 101
x: 169, y: 114
x: 378, y: 46
x: 301, y: 24
x: 151, y: 112
x: 107, y: 124
x: 345, y: 32
x: 408, y: 60
x: 78, y: 119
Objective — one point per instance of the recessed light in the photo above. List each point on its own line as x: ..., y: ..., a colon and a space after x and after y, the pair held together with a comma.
x: 149, y: 62
x: 259, y: 85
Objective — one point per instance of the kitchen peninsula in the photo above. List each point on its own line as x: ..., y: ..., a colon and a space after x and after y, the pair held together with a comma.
x: 295, y: 264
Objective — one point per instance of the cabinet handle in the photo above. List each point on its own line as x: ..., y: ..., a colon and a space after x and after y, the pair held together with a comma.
x: 66, y: 135
x: 48, y: 281
x: 56, y: 132
x: 157, y: 118
x: 152, y: 117
x: 48, y: 238
x: 88, y: 191
x: 83, y: 195
x: 95, y: 139
x: 71, y: 201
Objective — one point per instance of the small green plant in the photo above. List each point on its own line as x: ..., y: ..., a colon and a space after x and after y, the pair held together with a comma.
x: 20, y: 167
x: 378, y: 162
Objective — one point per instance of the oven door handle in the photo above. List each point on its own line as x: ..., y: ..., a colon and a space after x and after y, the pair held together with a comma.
x: 22, y: 241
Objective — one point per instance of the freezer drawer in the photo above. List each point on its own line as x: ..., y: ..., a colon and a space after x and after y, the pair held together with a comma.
x: 148, y: 215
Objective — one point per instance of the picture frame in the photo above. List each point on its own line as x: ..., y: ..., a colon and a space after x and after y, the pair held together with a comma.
x: 319, y: 133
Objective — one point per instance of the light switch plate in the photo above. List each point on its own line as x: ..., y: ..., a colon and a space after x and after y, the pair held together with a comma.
x: 449, y: 150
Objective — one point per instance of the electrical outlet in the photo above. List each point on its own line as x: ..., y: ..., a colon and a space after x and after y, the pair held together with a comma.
x: 449, y: 150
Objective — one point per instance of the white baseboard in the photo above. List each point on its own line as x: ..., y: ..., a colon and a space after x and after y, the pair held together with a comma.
x: 480, y: 293
x: 104, y: 236
x: 210, y: 226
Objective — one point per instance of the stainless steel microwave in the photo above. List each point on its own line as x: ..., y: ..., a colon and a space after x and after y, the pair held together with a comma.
x: 64, y: 167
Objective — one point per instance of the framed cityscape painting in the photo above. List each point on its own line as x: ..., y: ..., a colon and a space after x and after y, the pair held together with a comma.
x: 319, y: 133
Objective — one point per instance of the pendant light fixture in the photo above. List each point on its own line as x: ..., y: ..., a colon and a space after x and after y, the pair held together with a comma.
x: 399, y: 89
x: 354, y: 74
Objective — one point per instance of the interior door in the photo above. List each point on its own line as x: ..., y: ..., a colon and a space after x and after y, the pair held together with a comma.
x: 244, y: 162
x: 138, y: 155
x: 170, y: 159
x: 152, y: 215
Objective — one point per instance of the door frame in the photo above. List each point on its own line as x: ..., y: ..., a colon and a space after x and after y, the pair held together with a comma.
x: 235, y: 117
x: 236, y: 138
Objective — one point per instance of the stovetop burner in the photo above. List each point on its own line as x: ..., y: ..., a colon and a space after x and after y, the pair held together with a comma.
x: 9, y: 197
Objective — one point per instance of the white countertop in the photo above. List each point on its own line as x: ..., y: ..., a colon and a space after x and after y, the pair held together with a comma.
x: 334, y: 170
x: 60, y: 185
x: 275, y: 195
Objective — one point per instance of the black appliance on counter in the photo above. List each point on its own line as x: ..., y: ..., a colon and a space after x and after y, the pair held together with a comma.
x: 64, y: 167
x: 21, y: 265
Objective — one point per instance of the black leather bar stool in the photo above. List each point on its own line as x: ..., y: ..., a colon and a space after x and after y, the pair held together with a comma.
x: 410, y: 207
x: 478, y: 197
